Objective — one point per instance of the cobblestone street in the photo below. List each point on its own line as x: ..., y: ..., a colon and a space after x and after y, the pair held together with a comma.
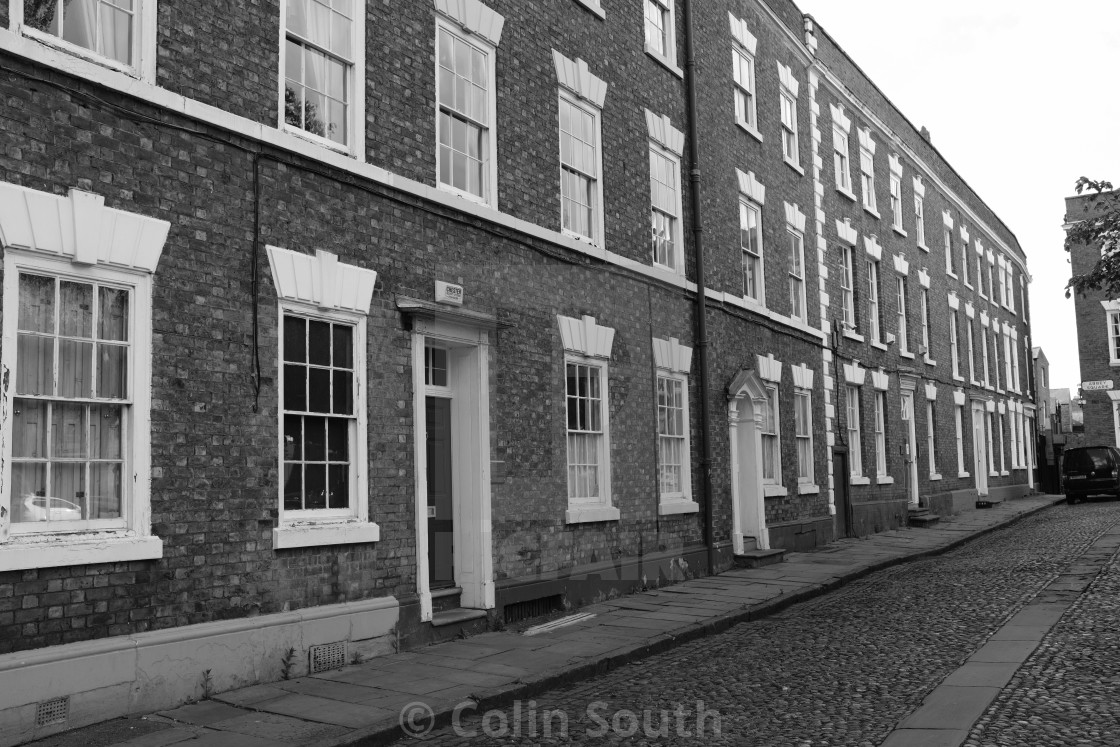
x: 846, y: 668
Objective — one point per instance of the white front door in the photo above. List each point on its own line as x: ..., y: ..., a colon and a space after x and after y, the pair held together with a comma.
x: 911, y: 447
x: 980, y: 448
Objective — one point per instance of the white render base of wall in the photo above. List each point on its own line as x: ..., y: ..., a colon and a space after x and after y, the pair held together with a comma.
x: 165, y: 668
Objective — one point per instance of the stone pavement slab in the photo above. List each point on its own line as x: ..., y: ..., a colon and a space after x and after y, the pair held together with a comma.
x: 361, y: 703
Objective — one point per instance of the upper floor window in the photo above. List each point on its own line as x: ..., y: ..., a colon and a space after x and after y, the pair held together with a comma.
x: 920, y: 214
x: 743, y: 64
x: 788, y: 94
x: 665, y: 148
x: 1113, y: 320
x: 903, y: 316
x: 873, y: 300
x: 867, y: 170
x: 797, y: 308
x: 111, y: 31
x: 896, y: 202
x: 848, y: 286
x: 841, y: 162
x: 954, y: 344
x: 926, y: 350
x: 661, y: 30
x: 950, y: 259
x: 750, y: 238
x: 465, y: 104
x: 322, y: 45
x: 581, y: 158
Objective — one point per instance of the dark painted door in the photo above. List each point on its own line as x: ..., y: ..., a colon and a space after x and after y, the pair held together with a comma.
x: 441, y: 545
x: 843, y: 504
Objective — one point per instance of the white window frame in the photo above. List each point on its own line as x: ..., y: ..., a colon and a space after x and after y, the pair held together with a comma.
x: 984, y: 356
x: 775, y: 464
x: 788, y: 90
x: 797, y: 300
x: 596, y: 179
x: 896, y: 202
x: 867, y: 172
x: 1112, y: 331
x: 745, y: 96
x: 924, y: 300
x: 677, y: 265
x: 672, y: 498
x: 965, y: 275
x: 958, y: 421
x: 489, y: 148
x: 848, y: 287
x: 803, y: 432
x: 972, y: 352
x: 903, y: 316
x: 995, y: 361
x: 668, y: 37
x: 143, y: 49
x: 931, y: 439
x: 855, y: 447
x: 954, y: 343
x: 880, y: 434
x: 841, y: 160
x: 107, y: 246
x: 949, y: 251
x: 980, y: 276
x: 920, y: 221
x: 873, y: 301
x: 355, y: 119
x: 750, y: 206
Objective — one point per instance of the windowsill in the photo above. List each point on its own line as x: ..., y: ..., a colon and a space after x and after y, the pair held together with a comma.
x: 884, y: 480
x: 465, y: 195
x: 580, y: 237
x: 859, y: 480
x: 318, y: 534
x: 934, y: 477
x: 668, y: 64
x: 981, y: 294
x: 774, y: 491
x: 853, y: 336
x: 590, y: 514
x: 760, y: 304
x: 923, y: 247
x: 906, y: 354
x: 847, y: 193
x: 1005, y: 473
x: 872, y: 211
x: 80, y: 52
x: 322, y: 142
x: 993, y: 474
x: 747, y: 128
x: 900, y: 231
x: 952, y: 274
x: 678, y: 506
x: 957, y: 377
x: 24, y: 552
x: 808, y: 489
x: 963, y: 474
x: 929, y: 361
x: 877, y: 344
x: 794, y: 165
x: 594, y: 7
x: 1114, y: 364
x: 968, y: 285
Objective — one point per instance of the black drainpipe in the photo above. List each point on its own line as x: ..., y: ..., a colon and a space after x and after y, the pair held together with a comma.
x: 701, y: 315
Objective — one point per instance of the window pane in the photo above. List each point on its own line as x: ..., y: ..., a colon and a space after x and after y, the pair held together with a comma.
x: 29, y: 481
x: 293, y: 437
x: 29, y: 429
x: 112, y: 371
x: 315, y: 489
x: 68, y: 431
x: 36, y: 303
x: 295, y: 388
x: 338, y: 440
x: 68, y: 482
x: 339, y: 486
x: 319, y: 343
x: 319, y: 390
x: 34, y: 365
x: 113, y: 315
x: 105, y: 491
x: 76, y: 309
x: 75, y: 368
x: 105, y: 431
x: 295, y: 343
x: 115, y: 39
x: 79, y: 23
x: 315, y: 439
x: 343, y: 394
x: 343, y: 346
x: 293, y: 487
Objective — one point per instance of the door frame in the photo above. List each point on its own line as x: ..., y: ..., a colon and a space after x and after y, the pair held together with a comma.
x: 909, y: 386
x: 842, y: 481
x: 468, y: 379
x: 745, y: 411
x: 980, y: 446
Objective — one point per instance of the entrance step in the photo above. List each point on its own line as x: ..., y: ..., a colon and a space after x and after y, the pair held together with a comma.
x: 446, y: 599
x: 458, y: 623
x: 759, y: 558
x: 922, y: 517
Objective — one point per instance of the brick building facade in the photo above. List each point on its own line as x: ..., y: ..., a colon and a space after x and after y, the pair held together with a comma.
x: 324, y: 330
x: 1098, y: 340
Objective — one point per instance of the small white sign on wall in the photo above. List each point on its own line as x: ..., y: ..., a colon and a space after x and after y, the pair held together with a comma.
x: 449, y: 293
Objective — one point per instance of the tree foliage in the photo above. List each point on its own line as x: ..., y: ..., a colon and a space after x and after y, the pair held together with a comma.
x: 1100, y: 227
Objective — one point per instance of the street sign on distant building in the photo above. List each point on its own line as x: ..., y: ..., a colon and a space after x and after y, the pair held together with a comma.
x: 1096, y: 386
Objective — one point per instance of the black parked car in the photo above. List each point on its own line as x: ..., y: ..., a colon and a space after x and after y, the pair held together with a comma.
x: 1091, y: 470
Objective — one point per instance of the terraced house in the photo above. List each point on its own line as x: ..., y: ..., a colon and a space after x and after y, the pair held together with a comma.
x: 333, y: 327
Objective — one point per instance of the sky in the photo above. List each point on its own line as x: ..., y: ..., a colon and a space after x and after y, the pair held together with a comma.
x: 1019, y: 98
